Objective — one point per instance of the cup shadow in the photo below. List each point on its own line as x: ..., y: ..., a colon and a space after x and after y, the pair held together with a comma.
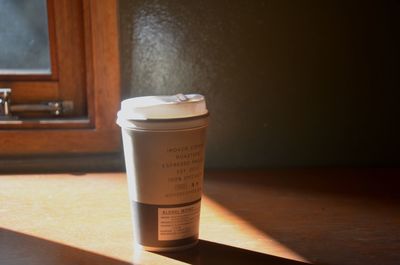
x: 210, y: 253
x: 21, y: 249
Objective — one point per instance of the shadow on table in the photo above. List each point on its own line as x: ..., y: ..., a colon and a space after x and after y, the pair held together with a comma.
x: 21, y: 249
x: 211, y: 253
x: 347, y: 217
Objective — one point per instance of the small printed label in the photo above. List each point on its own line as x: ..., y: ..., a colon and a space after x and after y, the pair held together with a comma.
x: 178, y: 222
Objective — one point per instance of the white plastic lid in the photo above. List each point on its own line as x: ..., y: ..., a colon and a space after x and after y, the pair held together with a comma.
x: 163, y: 107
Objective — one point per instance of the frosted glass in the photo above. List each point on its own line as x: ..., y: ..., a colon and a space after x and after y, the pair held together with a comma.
x: 24, y: 37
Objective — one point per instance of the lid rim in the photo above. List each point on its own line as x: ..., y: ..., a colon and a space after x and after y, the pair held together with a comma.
x: 207, y: 114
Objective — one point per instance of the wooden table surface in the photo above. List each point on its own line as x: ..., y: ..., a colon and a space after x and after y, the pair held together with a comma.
x: 275, y: 217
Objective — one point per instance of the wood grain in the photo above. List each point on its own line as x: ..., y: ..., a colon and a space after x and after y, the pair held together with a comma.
x: 31, y: 92
x: 15, y: 142
x: 106, y: 67
x: 246, y: 218
x: 71, y: 53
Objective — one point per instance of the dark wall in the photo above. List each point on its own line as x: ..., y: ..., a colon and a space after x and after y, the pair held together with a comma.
x: 288, y: 83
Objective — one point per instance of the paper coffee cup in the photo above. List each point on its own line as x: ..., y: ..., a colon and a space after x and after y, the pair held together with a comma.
x: 164, y: 142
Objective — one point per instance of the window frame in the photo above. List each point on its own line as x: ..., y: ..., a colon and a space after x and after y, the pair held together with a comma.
x: 98, y: 133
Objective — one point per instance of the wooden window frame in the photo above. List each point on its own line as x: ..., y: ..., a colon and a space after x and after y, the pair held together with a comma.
x: 100, y: 134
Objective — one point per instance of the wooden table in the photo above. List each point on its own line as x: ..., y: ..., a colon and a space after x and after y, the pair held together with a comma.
x: 274, y: 217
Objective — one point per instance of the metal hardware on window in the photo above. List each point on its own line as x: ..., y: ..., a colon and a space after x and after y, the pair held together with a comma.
x: 7, y: 110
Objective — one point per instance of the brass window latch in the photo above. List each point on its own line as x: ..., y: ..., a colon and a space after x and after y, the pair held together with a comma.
x: 8, y: 110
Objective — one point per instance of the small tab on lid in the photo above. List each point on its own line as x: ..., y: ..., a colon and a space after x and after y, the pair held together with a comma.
x: 181, y: 97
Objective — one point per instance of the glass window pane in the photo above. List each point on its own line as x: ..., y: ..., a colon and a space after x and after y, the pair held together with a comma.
x: 24, y: 37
